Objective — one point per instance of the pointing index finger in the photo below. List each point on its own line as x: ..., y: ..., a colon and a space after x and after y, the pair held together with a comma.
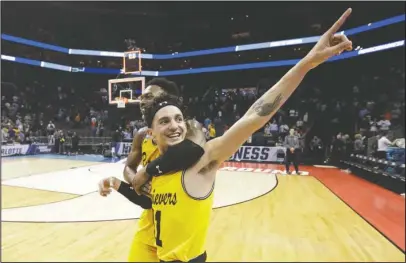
x: 337, y: 25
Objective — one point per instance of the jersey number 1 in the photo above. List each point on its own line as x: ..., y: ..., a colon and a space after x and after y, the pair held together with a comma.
x: 158, y: 228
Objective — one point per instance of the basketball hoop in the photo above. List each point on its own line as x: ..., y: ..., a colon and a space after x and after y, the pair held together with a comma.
x: 132, y: 62
x: 125, y: 88
x: 121, y: 102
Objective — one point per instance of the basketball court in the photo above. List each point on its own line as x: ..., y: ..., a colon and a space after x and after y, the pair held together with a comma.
x: 51, y: 211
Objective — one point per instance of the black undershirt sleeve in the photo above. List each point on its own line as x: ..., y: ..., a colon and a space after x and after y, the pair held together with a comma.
x: 178, y: 157
x: 141, y: 200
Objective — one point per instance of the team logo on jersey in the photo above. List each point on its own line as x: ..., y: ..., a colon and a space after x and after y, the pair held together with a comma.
x: 159, y: 171
x: 164, y: 199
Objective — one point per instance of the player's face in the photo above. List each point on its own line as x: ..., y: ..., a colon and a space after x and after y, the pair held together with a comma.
x: 168, y: 127
x: 150, y: 93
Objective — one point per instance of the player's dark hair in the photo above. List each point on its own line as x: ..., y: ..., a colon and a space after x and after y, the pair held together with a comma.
x: 158, y: 102
x: 168, y: 86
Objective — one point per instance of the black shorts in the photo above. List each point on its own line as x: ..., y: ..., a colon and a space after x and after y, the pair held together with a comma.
x: 199, y: 259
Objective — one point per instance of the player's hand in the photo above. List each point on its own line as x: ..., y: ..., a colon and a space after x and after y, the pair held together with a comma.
x: 146, y: 189
x: 104, y: 187
x: 330, y: 43
x: 139, y: 179
x: 143, y: 131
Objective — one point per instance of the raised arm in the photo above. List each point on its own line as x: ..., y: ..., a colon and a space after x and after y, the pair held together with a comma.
x: 265, y: 107
x: 195, y: 132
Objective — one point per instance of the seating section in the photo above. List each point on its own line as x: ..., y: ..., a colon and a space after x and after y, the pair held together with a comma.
x: 389, y: 174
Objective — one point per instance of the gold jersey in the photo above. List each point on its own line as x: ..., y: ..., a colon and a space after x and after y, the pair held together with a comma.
x: 145, y: 232
x: 181, y: 221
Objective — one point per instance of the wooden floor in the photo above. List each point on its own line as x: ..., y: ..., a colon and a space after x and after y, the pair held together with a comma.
x: 20, y: 167
x: 382, y: 208
x: 300, y: 220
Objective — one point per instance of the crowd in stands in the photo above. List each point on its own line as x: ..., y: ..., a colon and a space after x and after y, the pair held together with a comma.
x: 371, y: 105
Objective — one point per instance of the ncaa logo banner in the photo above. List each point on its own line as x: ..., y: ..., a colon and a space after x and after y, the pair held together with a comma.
x: 124, y: 148
x: 10, y: 150
x: 259, y: 154
x: 24, y: 149
x: 245, y: 153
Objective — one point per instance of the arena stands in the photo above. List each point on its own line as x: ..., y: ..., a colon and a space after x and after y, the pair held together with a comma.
x: 360, y: 98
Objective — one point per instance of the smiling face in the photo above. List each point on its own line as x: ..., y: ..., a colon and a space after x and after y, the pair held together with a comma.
x: 149, y: 94
x: 168, y: 127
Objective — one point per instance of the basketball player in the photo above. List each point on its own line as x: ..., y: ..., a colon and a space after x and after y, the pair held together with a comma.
x: 182, y: 200
x: 143, y: 150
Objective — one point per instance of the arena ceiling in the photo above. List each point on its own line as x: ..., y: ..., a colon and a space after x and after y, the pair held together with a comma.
x: 187, y: 21
x: 209, y: 10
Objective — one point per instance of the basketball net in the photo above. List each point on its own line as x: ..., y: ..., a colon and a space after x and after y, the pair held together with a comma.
x: 121, y: 102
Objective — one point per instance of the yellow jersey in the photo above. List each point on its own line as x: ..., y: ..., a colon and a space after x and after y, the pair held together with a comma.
x: 181, y: 221
x: 212, y: 132
x: 145, y: 232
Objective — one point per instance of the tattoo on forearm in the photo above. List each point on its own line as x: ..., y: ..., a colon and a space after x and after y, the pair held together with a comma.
x: 264, y: 109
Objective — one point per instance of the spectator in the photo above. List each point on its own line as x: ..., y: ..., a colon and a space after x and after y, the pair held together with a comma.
x: 62, y: 140
x: 21, y: 136
x: 306, y: 117
x: 337, y: 149
x: 207, y: 122
x: 348, y: 145
x: 373, y: 126
x: 383, y: 144
x: 11, y: 132
x: 358, y: 144
x: 41, y: 128
x: 56, y: 138
x: 28, y: 139
x: 116, y: 138
x: 283, y: 129
x: 126, y: 134
x: 77, y: 120
x: 75, y: 143
x: 267, y: 129
x: 50, y: 128
x: 316, y: 148
x: 274, y: 128
x: 384, y: 125
x: 363, y: 112
x: 93, y: 123
x: 299, y: 124
x: 212, y: 131
x: 4, y: 135
x: 218, y: 125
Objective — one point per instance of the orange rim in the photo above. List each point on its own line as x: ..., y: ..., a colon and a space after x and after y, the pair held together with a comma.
x: 125, y: 100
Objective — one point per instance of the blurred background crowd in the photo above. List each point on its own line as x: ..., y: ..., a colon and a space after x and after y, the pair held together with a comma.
x: 341, y: 108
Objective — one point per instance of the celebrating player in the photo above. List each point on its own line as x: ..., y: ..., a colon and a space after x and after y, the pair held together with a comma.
x: 182, y: 200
